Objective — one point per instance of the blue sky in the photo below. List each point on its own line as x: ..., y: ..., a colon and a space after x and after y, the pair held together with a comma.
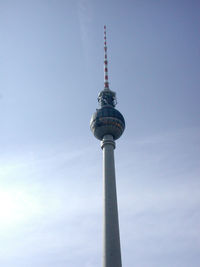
x: 51, y: 67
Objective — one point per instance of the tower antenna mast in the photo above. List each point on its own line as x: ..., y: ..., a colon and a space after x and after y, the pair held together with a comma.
x: 106, y: 83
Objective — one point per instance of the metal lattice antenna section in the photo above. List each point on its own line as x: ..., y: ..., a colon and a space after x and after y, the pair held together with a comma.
x: 106, y: 83
x: 106, y: 97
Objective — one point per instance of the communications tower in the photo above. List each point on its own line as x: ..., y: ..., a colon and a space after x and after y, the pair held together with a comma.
x: 107, y: 125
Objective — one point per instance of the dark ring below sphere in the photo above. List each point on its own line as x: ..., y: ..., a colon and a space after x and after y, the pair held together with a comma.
x: 107, y: 121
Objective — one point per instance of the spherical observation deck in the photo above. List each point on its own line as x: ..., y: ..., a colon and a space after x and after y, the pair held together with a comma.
x: 107, y: 121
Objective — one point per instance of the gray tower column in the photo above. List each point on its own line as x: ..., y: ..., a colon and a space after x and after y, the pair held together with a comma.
x: 111, y: 246
x: 107, y: 125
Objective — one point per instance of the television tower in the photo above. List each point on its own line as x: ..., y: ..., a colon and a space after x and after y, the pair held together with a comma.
x: 107, y: 125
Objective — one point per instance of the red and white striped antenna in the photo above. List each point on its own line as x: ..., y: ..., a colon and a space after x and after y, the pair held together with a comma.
x: 106, y: 83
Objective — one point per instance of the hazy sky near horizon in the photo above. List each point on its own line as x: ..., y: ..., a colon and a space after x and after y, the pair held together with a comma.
x: 51, y: 68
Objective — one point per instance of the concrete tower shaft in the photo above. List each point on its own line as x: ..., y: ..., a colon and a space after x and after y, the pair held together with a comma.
x: 111, y: 239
